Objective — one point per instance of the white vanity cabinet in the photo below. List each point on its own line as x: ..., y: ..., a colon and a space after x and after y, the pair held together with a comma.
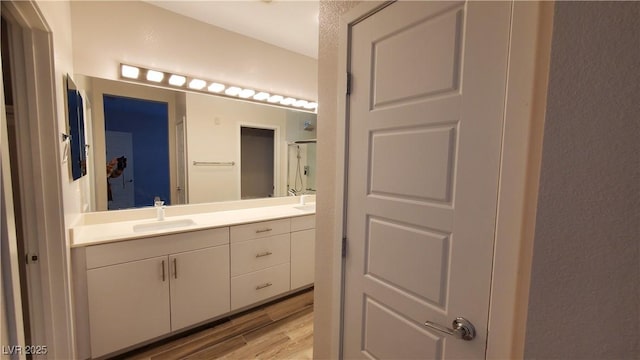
x: 135, y: 291
x: 142, y: 289
x: 303, y: 240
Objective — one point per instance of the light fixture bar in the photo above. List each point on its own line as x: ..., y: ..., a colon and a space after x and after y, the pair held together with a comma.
x: 300, y: 103
x: 216, y: 87
x: 197, y: 84
x: 233, y: 91
x: 130, y: 72
x: 171, y: 80
x: 246, y: 93
x: 311, y: 105
x: 155, y: 76
x: 288, y: 101
x: 275, y: 98
x: 262, y: 96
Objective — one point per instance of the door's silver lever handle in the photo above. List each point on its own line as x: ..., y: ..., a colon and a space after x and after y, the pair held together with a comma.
x: 462, y: 329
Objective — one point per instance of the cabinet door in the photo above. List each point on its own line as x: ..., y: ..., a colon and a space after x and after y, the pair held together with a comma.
x: 200, y: 288
x: 302, y: 258
x: 128, y: 304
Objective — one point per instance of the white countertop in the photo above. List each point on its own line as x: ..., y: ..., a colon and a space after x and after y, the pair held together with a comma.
x: 85, y: 235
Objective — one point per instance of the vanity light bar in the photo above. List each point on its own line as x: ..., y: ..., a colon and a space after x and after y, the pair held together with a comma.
x: 166, y: 79
x: 130, y: 72
x: 262, y: 96
x: 233, y: 91
x: 155, y: 76
x: 275, y: 98
x: 216, y: 87
x: 177, y: 80
x: 246, y: 93
x: 197, y: 84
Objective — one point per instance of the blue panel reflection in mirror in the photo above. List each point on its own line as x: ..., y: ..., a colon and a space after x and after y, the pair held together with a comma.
x: 75, y: 123
x: 137, y: 147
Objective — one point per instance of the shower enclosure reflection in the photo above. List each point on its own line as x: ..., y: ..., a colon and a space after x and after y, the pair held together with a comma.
x: 301, y: 167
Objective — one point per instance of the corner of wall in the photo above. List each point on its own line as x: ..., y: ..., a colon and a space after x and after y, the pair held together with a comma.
x: 326, y: 341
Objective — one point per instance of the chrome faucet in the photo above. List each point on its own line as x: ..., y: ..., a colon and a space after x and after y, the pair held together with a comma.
x: 159, y: 205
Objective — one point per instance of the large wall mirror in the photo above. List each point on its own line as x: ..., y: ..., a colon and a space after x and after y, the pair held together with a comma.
x: 191, y: 148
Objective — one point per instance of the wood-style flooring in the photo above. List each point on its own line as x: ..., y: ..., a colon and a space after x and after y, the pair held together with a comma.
x: 279, y: 330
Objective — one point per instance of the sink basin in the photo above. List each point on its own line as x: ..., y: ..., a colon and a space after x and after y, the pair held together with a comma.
x: 162, y: 225
x: 306, y: 207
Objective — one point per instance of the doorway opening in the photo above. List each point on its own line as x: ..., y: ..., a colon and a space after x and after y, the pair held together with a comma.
x: 137, y: 152
x: 257, y: 162
x: 39, y: 170
x: 12, y: 134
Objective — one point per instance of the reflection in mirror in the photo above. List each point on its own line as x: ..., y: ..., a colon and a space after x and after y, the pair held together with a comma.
x: 301, y: 167
x: 257, y: 159
x: 75, y: 130
x: 137, y: 151
x: 199, y: 139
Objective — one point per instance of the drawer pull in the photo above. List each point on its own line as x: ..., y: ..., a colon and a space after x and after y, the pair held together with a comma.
x: 266, y: 253
x: 163, y: 274
x: 263, y: 230
x: 266, y: 285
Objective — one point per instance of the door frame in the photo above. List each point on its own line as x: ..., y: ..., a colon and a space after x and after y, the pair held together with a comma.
x: 34, y: 53
x: 181, y: 163
x: 525, y: 103
x: 277, y: 171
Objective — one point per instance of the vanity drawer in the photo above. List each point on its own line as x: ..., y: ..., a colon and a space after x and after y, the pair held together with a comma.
x: 260, y: 285
x: 258, y: 254
x: 260, y: 230
x: 303, y: 222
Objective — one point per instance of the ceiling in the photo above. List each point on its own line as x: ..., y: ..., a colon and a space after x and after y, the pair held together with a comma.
x: 289, y: 24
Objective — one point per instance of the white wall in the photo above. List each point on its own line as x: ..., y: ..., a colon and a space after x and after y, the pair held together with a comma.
x: 295, y: 126
x: 107, y: 33
x: 585, y: 284
x: 213, y: 129
x: 58, y: 17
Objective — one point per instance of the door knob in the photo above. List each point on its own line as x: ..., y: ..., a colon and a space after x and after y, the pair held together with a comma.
x: 462, y: 329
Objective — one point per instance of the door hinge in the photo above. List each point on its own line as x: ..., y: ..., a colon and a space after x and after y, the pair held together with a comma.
x: 348, y: 83
x: 344, y: 247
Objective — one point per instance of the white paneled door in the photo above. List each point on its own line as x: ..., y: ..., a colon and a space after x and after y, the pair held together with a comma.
x: 424, y: 141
